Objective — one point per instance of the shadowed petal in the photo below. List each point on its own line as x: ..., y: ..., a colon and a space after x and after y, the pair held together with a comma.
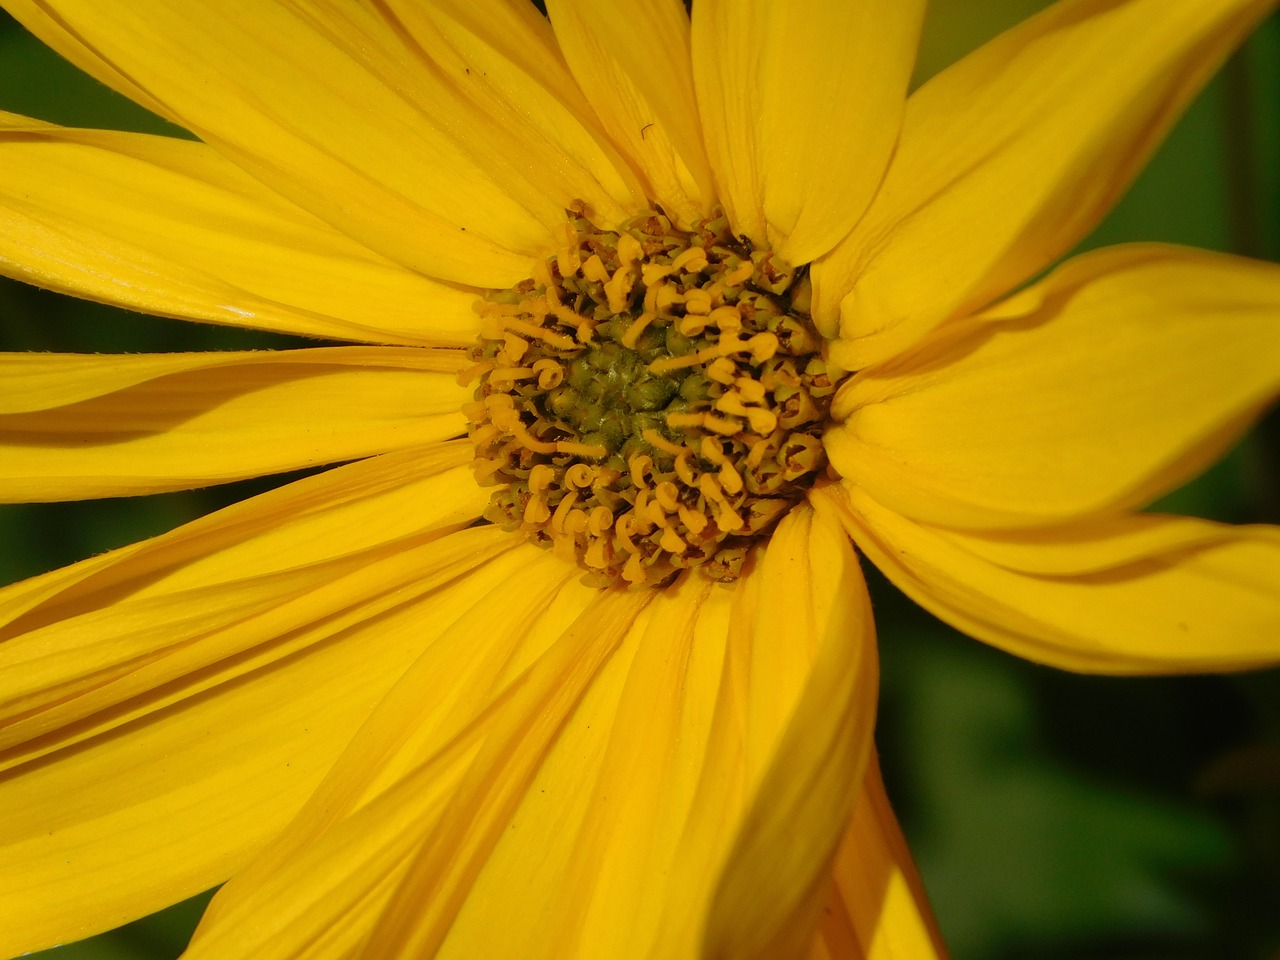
x: 877, y: 908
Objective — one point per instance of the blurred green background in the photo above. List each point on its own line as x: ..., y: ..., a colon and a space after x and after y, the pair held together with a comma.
x: 1054, y: 816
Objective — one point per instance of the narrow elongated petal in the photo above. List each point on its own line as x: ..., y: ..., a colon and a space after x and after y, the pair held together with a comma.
x: 166, y: 707
x: 1112, y: 381
x: 112, y: 425
x: 175, y: 801
x: 1012, y: 155
x: 478, y: 815
x: 334, y: 107
x: 801, y: 104
x: 589, y: 745
x: 633, y: 62
x: 327, y: 878
x: 169, y: 227
x: 1200, y: 597
x: 310, y: 533
x: 877, y: 909
x: 772, y: 886
x: 497, y: 84
x: 60, y: 36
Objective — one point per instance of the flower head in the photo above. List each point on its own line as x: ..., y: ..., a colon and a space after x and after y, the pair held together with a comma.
x: 659, y: 315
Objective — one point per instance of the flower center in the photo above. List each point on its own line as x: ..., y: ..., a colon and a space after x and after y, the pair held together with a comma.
x: 651, y: 400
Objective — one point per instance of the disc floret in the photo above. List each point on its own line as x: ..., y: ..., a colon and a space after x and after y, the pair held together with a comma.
x: 651, y: 400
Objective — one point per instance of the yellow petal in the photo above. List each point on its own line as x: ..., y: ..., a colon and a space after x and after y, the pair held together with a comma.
x: 168, y: 227
x: 1116, y: 378
x: 176, y: 800
x: 111, y: 425
x: 801, y: 104
x: 83, y: 623
x: 812, y: 596
x: 1201, y: 597
x: 632, y: 62
x: 170, y: 705
x: 500, y: 87
x: 1009, y: 157
x: 502, y: 675
x: 334, y: 107
x: 55, y: 34
x: 877, y: 908
x: 589, y: 746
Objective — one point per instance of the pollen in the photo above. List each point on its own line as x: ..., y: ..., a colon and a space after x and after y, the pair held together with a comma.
x: 651, y: 400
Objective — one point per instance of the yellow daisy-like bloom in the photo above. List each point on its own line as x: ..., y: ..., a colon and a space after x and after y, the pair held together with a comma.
x: 693, y: 303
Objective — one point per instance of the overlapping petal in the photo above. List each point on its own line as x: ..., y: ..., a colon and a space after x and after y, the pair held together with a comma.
x: 800, y: 104
x: 45, y: 24
x: 692, y: 762
x: 1129, y: 594
x: 129, y: 775
x: 440, y: 158
x: 772, y: 887
x: 312, y: 532
x: 1010, y: 156
x: 1110, y: 382
x: 591, y: 745
x: 80, y: 426
x: 632, y: 61
x: 503, y: 667
x: 519, y: 112
x: 877, y: 908
x: 169, y: 227
x: 112, y: 425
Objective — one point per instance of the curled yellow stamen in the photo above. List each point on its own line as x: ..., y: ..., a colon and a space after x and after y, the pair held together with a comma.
x: 647, y: 401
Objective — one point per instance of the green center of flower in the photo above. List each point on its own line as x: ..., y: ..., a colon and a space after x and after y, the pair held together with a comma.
x: 651, y: 400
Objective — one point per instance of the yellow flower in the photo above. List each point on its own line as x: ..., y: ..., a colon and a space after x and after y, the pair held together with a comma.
x: 397, y: 731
